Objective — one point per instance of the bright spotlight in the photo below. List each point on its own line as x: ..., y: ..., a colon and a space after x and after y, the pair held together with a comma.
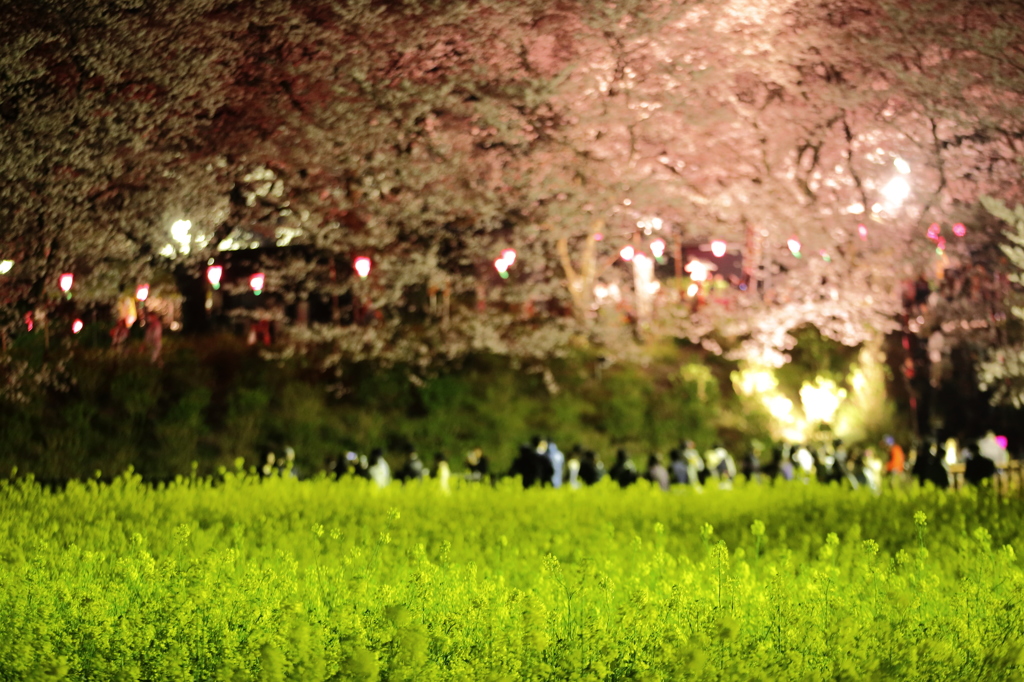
x: 896, y: 191
x: 698, y: 271
x: 181, y: 232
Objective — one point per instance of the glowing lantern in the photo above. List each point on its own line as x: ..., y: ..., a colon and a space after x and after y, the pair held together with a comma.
x: 1002, y: 442
x: 959, y: 229
x: 692, y: 290
x: 933, y: 231
x: 5, y: 266
x: 698, y: 271
x: 863, y: 232
x: 77, y: 326
x: 66, y: 280
x: 627, y: 253
x: 509, y: 256
x: 256, y: 282
x: 794, y: 246
x: 214, y: 274
x: 362, y: 265
x: 501, y: 265
x: 658, y: 248
x: 718, y: 248
x: 142, y: 292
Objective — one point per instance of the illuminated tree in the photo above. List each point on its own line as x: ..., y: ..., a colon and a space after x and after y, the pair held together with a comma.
x: 1001, y: 366
x: 430, y: 137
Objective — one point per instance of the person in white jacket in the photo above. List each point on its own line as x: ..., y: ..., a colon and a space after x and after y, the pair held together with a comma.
x: 380, y: 471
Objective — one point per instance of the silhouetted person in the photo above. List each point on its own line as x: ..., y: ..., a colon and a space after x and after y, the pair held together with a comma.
x: 656, y: 472
x: 677, y: 467
x: 572, y: 466
x: 591, y: 468
x: 413, y: 469
x: 477, y: 465
x: 978, y: 467
x: 548, y: 450
x: 751, y: 465
x: 922, y: 461
x: 695, y: 468
x: 623, y: 471
x: 442, y: 472
x: 531, y: 466
x: 840, y: 468
x: 557, y: 460
x: 936, y: 472
x: 379, y: 469
x: 856, y: 466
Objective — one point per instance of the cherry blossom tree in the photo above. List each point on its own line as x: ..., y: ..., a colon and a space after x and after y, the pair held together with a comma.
x: 430, y: 138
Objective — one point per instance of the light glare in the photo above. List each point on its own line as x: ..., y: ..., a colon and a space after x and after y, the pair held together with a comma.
x: 214, y: 274
x: 257, y: 281
x: 181, y: 233
x: 718, y: 248
x: 362, y: 265
x: 698, y: 271
x: 627, y: 253
x: 896, y: 191
x: 821, y: 400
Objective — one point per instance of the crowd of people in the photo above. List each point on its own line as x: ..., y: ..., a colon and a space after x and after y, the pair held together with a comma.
x: 542, y: 463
